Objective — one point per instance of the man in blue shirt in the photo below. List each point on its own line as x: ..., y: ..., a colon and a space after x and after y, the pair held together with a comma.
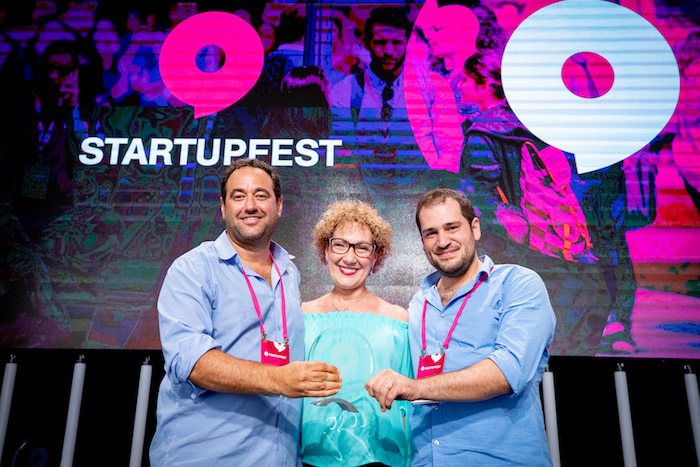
x: 231, y: 328
x: 479, y: 336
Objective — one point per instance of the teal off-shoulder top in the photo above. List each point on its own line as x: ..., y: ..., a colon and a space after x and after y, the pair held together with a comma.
x: 359, y: 344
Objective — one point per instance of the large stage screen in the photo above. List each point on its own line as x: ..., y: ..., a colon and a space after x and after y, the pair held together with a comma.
x: 572, y: 126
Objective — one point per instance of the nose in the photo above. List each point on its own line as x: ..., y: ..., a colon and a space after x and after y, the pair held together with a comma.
x: 250, y: 205
x: 390, y: 49
x: 350, y: 257
x: 443, y: 240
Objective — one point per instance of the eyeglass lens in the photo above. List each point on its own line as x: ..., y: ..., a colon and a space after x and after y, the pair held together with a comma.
x: 362, y: 249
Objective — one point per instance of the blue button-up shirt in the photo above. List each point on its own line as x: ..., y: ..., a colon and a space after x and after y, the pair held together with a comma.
x: 510, y: 321
x: 205, y: 304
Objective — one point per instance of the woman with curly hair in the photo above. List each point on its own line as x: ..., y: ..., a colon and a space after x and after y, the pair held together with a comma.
x: 360, y: 333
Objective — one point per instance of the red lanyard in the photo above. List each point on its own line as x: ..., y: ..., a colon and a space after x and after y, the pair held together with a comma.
x: 257, y: 305
x: 484, y: 276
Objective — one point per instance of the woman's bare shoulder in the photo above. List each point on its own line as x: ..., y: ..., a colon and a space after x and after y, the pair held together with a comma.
x: 315, y: 306
x: 392, y: 311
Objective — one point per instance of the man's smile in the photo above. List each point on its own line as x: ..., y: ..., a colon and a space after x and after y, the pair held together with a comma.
x: 446, y: 254
x: 251, y: 219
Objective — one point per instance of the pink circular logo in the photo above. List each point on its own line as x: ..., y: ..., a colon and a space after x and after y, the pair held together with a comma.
x: 587, y: 75
x: 211, y: 91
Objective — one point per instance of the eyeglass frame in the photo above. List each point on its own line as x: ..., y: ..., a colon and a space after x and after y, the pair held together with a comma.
x: 351, y: 245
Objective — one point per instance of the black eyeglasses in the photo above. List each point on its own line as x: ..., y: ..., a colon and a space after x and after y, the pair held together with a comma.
x: 362, y: 249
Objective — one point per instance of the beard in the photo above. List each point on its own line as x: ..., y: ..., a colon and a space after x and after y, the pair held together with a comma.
x: 251, y: 238
x: 454, y: 268
x: 387, y: 75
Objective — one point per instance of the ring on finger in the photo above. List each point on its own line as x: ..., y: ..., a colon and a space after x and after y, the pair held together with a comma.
x: 388, y: 387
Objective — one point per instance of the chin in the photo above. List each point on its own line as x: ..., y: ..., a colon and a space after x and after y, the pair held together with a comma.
x: 349, y: 282
x: 453, y: 273
x: 249, y: 237
x: 448, y: 270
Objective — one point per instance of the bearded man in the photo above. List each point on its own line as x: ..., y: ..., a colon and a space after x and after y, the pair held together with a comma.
x: 479, y: 336
x: 231, y: 328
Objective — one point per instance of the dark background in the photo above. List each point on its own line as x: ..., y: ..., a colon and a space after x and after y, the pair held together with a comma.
x: 589, y: 430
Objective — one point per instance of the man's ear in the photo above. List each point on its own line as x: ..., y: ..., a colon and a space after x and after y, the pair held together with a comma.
x: 279, y: 206
x: 476, y: 228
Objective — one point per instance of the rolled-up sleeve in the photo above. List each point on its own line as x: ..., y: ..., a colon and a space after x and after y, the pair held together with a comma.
x: 526, y: 329
x: 185, y: 318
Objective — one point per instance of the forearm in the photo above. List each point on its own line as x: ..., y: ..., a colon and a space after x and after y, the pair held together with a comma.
x: 481, y: 381
x: 218, y: 371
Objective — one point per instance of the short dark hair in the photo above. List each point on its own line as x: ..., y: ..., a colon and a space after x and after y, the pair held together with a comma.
x: 393, y: 17
x: 305, y: 86
x: 60, y: 47
x: 292, y: 27
x: 255, y: 163
x: 439, y: 196
x: 485, y: 69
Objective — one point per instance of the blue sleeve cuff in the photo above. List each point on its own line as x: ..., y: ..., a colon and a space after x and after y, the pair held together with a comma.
x: 190, y: 351
x: 510, y: 368
x: 527, y: 328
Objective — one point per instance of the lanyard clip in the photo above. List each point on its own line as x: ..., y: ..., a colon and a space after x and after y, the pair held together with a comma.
x: 286, y: 342
x: 442, y: 349
x: 264, y: 336
x: 422, y: 353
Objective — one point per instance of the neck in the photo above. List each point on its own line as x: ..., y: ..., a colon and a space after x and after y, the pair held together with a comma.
x: 388, y: 76
x: 455, y: 65
x: 258, y: 252
x: 256, y: 258
x: 489, y: 103
x: 348, y: 294
x: 343, y: 300
x: 450, y: 61
x: 447, y: 286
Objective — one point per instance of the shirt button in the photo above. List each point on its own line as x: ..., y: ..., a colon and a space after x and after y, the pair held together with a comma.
x: 436, y: 442
x: 442, y: 315
x: 436, y: 407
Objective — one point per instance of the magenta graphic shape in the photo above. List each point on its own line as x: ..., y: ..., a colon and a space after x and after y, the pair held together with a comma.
x: 210, y: 92
x: 450, y: 33
x: 588, y: 75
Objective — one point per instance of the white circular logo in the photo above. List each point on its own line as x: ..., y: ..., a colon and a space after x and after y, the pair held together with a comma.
x: 606, y: 129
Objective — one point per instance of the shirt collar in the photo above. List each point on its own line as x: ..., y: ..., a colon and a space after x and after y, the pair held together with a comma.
x: 378, y: 83
x: 294, y: 47
x: 226, y: 252
x: 430, y: 281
